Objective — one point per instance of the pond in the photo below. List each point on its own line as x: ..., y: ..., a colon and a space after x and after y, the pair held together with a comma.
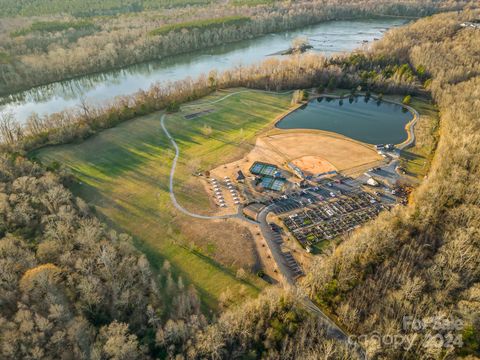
x: 327, y: 38
x: 361, y: 118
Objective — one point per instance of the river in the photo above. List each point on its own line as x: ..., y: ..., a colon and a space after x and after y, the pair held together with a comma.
x: 327, y: 38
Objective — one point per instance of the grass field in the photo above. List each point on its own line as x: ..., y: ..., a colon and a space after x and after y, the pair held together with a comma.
x: 124, y: 172
x: 416, y: 160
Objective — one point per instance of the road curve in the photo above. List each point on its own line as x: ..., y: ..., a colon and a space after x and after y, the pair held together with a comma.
x: 410, y: 128
x: 177, y: 155
x: 172, y: 176
x: 332, y: 329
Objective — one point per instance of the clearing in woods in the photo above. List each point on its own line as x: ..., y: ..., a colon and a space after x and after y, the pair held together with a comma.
x: 124, y: 172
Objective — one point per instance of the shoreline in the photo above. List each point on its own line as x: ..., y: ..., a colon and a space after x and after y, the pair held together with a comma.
x: 409, y: 127
x: 125, y: 66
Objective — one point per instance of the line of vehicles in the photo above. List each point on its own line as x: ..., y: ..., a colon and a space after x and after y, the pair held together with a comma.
x: 218, y: 191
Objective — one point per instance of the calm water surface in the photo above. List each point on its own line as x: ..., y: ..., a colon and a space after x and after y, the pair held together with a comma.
x: 327, y: 38
x: 359, y: 118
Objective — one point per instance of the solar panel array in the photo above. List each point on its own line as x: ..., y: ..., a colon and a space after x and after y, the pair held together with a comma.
x: 271, y: 183
x: 263, y: 169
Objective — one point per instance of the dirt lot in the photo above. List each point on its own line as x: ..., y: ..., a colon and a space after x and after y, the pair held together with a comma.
x: 313, y: 165
x: 314, y: 152
x: 319, y: 150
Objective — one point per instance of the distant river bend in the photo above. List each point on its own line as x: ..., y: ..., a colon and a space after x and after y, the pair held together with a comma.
x: 327, y: 38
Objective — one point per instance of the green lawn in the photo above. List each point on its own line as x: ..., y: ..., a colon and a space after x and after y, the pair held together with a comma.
x: 416, y: 160
x: 124, y: 172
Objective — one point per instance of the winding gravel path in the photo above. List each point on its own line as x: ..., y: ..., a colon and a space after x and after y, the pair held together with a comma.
x: 172, y: 177
x: 177, y: 155
x: 332, y: 329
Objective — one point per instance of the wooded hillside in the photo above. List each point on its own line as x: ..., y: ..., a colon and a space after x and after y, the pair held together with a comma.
x: 422, y: 260
x: 36, y: 51
x: 73, y: 288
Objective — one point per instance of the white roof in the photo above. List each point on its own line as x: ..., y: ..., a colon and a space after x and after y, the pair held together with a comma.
x: 372, y: 182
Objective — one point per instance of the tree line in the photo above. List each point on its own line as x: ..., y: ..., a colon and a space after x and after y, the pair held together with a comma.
x: 72, y: 285
x: 421, y: 261
x: 33, y: 56
x: 300, y: 71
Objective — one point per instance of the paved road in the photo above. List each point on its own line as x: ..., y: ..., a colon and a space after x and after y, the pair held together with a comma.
x: 410, y: 128
x: 332, y: 329
x: 274, y: 247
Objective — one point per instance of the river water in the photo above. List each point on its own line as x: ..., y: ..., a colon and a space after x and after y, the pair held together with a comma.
x: 327, y: 38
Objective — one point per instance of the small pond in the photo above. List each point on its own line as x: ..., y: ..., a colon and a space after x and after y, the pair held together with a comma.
x: 361, y: 118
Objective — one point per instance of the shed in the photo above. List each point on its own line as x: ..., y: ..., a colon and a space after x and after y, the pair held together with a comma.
x: 240, y: 176
x: 253, y: 210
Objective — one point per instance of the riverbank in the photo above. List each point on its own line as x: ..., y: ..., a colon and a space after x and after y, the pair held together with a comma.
x: 103, y: 87
x: 253, y: 28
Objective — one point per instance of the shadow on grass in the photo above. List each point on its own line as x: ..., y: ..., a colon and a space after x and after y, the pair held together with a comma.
x: 154, y: 255
x: 408, y: 156
x: 219, y: 266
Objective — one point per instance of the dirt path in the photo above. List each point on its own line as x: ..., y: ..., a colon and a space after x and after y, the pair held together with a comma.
x: 333, y: 330
x: 172, y: 177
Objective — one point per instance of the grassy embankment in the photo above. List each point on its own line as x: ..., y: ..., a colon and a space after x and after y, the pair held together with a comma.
x: 124, y: 172
x: 416, y: 160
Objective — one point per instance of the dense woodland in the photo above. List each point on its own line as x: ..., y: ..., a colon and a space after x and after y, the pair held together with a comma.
x: 38, y: 50
x: 68, y: 282
x: 73, y: 287
x: 422, y: 260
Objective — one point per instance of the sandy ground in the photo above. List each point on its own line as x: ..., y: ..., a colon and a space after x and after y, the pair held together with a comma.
x: 322, y: 150
x: 313, y: 165
x: 314, y: 152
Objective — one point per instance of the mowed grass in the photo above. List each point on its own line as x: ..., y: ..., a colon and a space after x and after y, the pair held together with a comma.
x: 124, y: 172
x: 416, y: 160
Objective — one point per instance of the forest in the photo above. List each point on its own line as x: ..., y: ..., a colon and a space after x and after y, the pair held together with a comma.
x: 36, y: 50
x: 74, y: 289
x: 423, y: 262
x: 70, y: 282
